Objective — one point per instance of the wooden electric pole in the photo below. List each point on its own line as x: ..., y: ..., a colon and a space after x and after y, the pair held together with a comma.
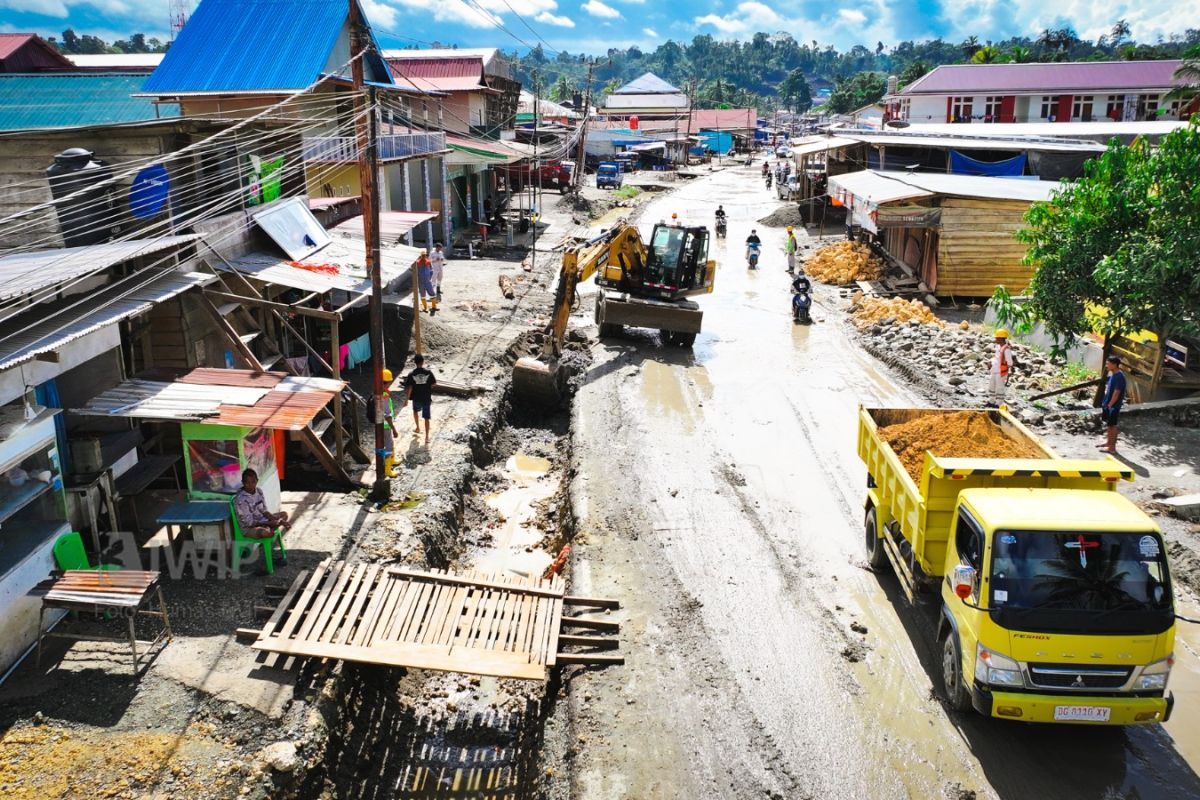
x: 367, y: 131
x: 581, y: 160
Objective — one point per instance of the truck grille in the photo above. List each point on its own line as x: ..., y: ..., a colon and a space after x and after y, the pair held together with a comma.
x: 1078, y: 677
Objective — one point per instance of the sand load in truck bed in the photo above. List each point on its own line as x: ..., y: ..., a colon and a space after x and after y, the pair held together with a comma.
x: 965, y: 434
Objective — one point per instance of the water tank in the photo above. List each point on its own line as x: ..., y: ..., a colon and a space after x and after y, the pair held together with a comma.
x: 892, y: 84
x: 87, y: 218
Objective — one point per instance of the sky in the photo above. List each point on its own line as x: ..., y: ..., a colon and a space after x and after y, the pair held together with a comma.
x: 593, y: 26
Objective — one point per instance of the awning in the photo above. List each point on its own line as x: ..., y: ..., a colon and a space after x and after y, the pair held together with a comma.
x: 641, y: 148
x: 218, y: 396
x: 973, y: 141
x: 392, y: 225
x: 24, y: 273
x: 340, y: 265
x: 467, y: 150
x: 823, y: 146
x: 45, y: 328
x: 872, y: 187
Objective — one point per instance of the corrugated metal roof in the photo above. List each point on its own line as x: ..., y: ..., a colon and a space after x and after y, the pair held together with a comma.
x: 724, y: 119
x: 1099, y: 130
x: 458, y: 67
x: 822, y: 146
x: 168, y: 400
x: 39, y: 331
x: 12, y: 42
x: 648, y: 83
x: 392, y: 225
x: 24, y: 273
x: 58, y: 100
x: 210, y: 376
x: 1071, y: 76
x: 286, y: 411
x: 117, y: 61
x: 345, y: 254
x: 452, y: 84
x: 986, y: 140
x: 257, y: 45
x: 887, y: 187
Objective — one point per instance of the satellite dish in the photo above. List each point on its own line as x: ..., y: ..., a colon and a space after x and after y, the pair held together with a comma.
x: 148, y: 195
x: 898, y: 123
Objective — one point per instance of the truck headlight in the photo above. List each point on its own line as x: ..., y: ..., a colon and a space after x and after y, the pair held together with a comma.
x: 996, y: 669
x: 1154, y: 676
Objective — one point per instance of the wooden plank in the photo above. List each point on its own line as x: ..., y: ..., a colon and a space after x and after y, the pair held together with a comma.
x: 352, y: 616
x: 407, y: 622
x: 504, y: 622
x: 398, y: 591
x: 442, y: 610
x: 284, y: 604
x: 302, y: 601
x: 596, y: 602
x: 324, y: 601
x: 555, y: 631
x: 471, y: 612
x: 603, y: 642
x: 606, y: 659
x: 378, y: 596
x: 491, y: 584
x: 438, y: 596
x: 407, y: 654
x: 327, y: 630
x: 453, y: 617
x: 594, y: 624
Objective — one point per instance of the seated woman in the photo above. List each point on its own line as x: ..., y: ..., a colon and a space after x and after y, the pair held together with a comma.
x: 253, y: 517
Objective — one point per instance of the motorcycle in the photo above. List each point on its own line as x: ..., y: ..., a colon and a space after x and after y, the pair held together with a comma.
x: 801, y: 301
x: 766, y: 169
x: 769, y: 176
x: 752, y: 252
x: 720, y: 227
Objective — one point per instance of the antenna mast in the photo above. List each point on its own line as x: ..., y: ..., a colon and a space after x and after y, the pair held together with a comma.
x: 178, y: 11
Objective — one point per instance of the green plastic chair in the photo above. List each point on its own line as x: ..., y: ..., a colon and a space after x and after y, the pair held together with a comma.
x: 69, y: 554
x: 243, y: 544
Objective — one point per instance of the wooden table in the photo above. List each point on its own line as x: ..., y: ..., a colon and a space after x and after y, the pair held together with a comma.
x: 187, y: 513
x: 123, y: 591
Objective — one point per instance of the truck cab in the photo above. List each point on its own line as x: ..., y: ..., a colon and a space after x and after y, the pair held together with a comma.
x: 1057, y: 607
x: 608, y: 174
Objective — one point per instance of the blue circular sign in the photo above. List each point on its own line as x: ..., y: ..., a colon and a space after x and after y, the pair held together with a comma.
x: 148, y: 195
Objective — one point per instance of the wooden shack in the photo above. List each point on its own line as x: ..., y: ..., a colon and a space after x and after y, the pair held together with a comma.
x: 957, y: 233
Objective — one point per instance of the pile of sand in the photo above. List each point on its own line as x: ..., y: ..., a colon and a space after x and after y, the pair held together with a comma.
x: 843, y: 263
x: 870, y: 310
x: 963, y: 434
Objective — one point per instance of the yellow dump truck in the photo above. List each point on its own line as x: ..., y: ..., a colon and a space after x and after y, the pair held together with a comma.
x: 1056, y: 601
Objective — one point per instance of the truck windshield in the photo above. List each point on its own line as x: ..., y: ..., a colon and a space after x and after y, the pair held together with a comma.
x: 1054, y: 581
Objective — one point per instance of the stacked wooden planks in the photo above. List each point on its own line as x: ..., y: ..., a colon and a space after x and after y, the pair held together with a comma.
x: 506, y: 626
x: 977, y: 247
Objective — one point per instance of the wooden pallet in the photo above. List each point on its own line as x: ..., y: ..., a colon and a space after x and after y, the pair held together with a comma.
x: 504, y: 626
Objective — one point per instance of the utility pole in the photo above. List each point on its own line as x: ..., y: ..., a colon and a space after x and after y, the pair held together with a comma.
x: 687, y: 142
x: 581, y: 160
x: 537, y: 169
x: 367, y: 130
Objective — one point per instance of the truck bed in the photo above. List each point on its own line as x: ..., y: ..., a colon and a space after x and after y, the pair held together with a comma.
x: 924, y: 508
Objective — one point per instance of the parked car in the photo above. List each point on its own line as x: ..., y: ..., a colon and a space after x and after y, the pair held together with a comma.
x: 608, y: 174
x: 783, y: 151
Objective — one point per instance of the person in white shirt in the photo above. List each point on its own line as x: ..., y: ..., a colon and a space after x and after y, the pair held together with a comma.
x: 1002, y: 362
x: 438, y: 259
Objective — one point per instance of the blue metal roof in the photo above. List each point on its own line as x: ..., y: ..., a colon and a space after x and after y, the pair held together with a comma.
x: 61, y: 100
x: 258, y: 46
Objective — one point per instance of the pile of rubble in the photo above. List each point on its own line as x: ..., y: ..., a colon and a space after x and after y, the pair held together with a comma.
x: 966, y: 434
x: 956, y: 357
x: 844, y: 263
x: 868, y: 311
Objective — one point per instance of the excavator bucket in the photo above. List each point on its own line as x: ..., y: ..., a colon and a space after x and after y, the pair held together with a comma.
x: 538, y: 383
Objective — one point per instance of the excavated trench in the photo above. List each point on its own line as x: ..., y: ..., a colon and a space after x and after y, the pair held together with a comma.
x: 394, y: 733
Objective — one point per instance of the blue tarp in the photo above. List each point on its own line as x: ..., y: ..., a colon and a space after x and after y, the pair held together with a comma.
x: 717, y: 141
x: 965, y: 165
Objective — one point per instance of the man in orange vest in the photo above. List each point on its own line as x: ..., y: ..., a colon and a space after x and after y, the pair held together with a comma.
x: 1002, y: 362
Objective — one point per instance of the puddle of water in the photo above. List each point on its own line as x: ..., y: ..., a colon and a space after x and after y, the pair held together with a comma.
x: 662, y: 391
x: 515, y: 538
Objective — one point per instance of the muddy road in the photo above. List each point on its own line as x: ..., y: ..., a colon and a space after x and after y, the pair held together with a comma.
x: 721, y: 499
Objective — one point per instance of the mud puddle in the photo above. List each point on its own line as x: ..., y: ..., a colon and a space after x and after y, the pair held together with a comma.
x: 515, y: 535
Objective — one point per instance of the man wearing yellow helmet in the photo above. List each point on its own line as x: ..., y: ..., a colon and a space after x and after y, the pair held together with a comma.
x: 790, y: 248
x: 1002, y: 362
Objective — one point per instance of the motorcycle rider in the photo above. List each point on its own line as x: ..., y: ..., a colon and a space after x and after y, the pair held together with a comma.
x: 720, y: 219
x: 801, y: 296
x: 752, y: 243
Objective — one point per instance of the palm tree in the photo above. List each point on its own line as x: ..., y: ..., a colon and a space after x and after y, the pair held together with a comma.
x: 1020, y: 55
x: 970, y: 46
x: 1188, y: 72
x: 988, y: 54
x: 1120, y: 32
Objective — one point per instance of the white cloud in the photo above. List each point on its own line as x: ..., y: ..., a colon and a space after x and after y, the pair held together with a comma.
x: 49, y: 8
x: 653, y: 34
x: 555, y: 19
x: 852, y: 15
x: 379, y: 13
x: 598, y: 9
x: 450, y: 11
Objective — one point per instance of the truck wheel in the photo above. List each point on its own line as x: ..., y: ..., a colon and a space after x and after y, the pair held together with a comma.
x: 876, y: 557
x: 952, y: 678
x: 685, y: 340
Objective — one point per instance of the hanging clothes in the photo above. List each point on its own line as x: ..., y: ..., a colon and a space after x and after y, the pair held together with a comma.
x: 360, y: 351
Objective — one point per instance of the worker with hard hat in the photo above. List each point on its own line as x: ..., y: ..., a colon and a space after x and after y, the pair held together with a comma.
x: 790, y: 247
x: 1002, y: 364
x: 388, y: 454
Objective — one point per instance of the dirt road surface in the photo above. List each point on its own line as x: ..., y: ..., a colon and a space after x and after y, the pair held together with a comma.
x: 721, y: 500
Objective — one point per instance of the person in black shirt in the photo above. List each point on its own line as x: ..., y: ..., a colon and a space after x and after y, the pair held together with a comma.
x: 418, y: 387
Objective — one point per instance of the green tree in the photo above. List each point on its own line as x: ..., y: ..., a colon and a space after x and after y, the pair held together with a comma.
x: 563, y: 89
x: 970, y: 46
x: 1188, y: 71
x: 912, y: 72
x: 795, y: 92
x: 1126, y: 238
x: 857, y: 91
x: 1020, y: 55
x: 988, y: 54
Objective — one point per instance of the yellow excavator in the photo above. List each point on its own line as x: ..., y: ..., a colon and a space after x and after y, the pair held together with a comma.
x: 641, y: 285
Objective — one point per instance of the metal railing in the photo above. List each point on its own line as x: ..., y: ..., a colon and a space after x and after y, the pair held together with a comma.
x: 344, y: 149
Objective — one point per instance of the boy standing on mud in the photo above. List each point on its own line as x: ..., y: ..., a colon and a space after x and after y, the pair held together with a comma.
x: 418, y: 387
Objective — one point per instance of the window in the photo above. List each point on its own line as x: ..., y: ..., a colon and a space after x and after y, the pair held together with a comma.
x: 1047, y: 107
x: 1148, y: 106
x: 960, y: 109
x: 991, y: 108
x: 1081, y: 109
x: 905, y: 108
x: 1114, y: 109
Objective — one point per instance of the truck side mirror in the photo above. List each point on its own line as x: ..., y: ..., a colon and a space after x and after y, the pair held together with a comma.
x: 963, y: 580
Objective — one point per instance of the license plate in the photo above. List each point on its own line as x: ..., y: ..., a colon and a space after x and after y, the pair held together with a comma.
x: 1082, y: 713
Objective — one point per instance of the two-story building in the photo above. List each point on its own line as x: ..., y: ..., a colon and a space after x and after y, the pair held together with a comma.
x: 1083, y: 91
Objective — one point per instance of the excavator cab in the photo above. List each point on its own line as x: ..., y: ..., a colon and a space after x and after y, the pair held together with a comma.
x: 677, y: 262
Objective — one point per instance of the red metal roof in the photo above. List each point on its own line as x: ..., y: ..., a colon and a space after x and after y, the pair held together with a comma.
x: 724, y: 119
x: 443, y: 74
x: 1082, y: 76
x: 281, y: 411
x: 12, y: 42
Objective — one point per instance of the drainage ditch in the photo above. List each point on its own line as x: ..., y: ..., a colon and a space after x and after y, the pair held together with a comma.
x: 396, y: 733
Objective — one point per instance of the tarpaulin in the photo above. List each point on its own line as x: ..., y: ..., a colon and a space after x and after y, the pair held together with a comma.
x: 965, y: 165
x: 1058, y: 166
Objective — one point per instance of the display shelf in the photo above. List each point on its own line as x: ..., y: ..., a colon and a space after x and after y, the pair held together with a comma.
x: 18, y: 541
x: 15, y: 498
